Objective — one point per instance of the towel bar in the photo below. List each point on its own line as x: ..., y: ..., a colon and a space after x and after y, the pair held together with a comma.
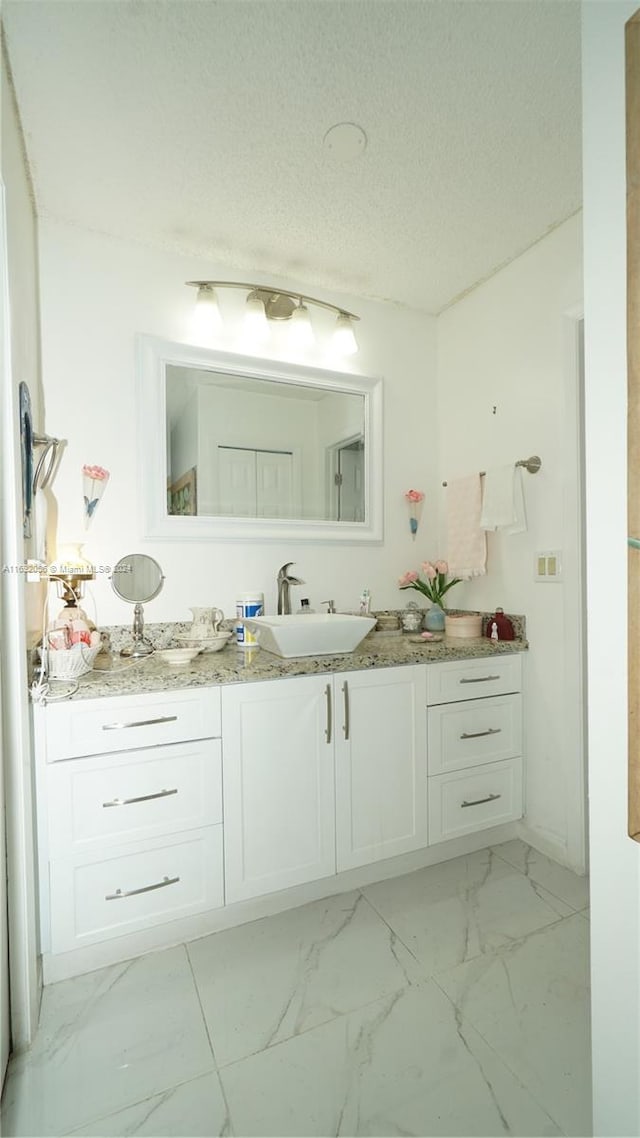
x: 50, y: 451
x: 531, y: 464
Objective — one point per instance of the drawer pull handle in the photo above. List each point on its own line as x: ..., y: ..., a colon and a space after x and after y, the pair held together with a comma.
x: 479, y: 734
x: 479, y: 801
x: 479, y: 679
x: 140, y: 798
x: 139, y: 723
x: 120, y: 894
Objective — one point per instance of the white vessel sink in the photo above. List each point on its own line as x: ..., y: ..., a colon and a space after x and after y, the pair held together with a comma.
x: 322, y: 634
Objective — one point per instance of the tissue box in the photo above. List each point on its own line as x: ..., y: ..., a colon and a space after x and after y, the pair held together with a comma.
x: 462, y: 625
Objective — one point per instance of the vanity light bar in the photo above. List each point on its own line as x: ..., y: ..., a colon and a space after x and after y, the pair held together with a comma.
x: 265, y: 303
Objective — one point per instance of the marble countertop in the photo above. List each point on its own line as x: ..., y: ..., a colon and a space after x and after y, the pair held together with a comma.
x: 116, y: 676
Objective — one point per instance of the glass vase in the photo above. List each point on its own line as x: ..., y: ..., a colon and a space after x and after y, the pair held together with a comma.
x: 434, y: 619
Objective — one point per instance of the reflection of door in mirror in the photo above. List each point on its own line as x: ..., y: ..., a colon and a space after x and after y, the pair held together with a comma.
x: 256, y: 483
x: 345, y: 474
x: 259, y: 446
x: 351, y: 482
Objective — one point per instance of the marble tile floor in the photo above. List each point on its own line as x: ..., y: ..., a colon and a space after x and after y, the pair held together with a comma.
x: 451, y: 1001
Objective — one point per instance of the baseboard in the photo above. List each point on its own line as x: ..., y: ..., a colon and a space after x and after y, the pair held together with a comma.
x: 546, y: 844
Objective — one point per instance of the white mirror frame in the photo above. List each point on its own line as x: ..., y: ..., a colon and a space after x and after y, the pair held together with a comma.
x: 153, y: 357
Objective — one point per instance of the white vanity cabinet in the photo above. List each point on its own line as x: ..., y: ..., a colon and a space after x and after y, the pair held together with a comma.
x: 171, y: 808
x: 474, y: 719
x: 129, y: 815
x: 321, y: 774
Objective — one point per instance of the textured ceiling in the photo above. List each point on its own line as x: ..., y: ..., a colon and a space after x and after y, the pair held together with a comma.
x: 198, y: 126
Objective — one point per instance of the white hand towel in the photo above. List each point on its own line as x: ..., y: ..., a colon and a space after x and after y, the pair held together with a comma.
x: 466, y: 542
x: 503, y: 500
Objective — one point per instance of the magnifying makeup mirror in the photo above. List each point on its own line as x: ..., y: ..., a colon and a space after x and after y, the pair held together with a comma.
x: 137, y: 579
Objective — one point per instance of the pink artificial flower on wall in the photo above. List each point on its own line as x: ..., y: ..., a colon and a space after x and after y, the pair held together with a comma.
x: 94, y: 480
x: 97, y: 473
x: 414, y: 500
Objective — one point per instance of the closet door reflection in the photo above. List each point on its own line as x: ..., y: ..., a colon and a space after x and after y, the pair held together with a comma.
x: 256, y: 483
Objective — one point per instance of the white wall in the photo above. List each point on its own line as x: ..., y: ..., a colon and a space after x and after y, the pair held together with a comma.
x: 96, y: 294
x: 503, y: 347
x: 615, y: 859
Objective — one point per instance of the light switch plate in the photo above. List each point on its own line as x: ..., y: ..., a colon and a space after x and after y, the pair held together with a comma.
x: 548, y: 567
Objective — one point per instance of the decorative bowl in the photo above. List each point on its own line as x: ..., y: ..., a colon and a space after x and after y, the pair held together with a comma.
x: 177, y: 657
x: 205, y: 643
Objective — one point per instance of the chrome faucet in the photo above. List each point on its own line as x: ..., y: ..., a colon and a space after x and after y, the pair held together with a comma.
x: 284, y: 583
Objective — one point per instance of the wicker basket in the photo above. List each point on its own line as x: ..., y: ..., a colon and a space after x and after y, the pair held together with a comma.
x: 68, y: 664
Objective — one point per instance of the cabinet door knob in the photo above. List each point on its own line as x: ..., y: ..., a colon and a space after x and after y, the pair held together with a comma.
x: 345, y: 693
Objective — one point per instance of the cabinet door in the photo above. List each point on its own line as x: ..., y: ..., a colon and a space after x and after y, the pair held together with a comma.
x: 278, y: 791
x: 381, y: 764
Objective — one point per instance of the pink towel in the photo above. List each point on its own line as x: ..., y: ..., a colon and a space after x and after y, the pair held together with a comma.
x: 466, y: 542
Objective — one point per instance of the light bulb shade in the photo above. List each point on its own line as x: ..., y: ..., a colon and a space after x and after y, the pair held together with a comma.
x: 256, y: 325
x: 344, y: 338
x: 71, y: 565
x: 207, y: 317
x: 301, y: 330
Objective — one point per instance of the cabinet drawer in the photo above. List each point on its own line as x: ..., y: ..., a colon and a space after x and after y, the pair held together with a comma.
x: 101, y: 801
x: 473, y: 679
x: 477, y: 731
x: 121, y: 723
x: 93, y: 900
x: 465, y: 801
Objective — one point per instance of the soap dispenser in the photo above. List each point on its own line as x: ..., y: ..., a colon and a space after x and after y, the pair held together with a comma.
x: 305, y: 607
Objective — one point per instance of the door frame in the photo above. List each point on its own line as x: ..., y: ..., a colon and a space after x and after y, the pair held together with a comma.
x: 332, y: 465
x: 574, y: 574
x: 25, y: 975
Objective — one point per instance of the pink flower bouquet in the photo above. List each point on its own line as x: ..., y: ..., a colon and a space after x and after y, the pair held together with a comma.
x: 94, y: 481
x: 435, y: 584
x: 414, y: 500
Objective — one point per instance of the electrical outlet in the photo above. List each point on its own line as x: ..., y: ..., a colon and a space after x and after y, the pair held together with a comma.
x: 548, y: 567
x: 36, y: 571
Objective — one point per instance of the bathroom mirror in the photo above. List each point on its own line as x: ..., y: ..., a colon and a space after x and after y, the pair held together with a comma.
x: 137, y: 579
x: 234, y: 447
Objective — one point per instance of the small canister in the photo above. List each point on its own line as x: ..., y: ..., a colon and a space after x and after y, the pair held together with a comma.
x: 248, y: 604
x: 411, y: 618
